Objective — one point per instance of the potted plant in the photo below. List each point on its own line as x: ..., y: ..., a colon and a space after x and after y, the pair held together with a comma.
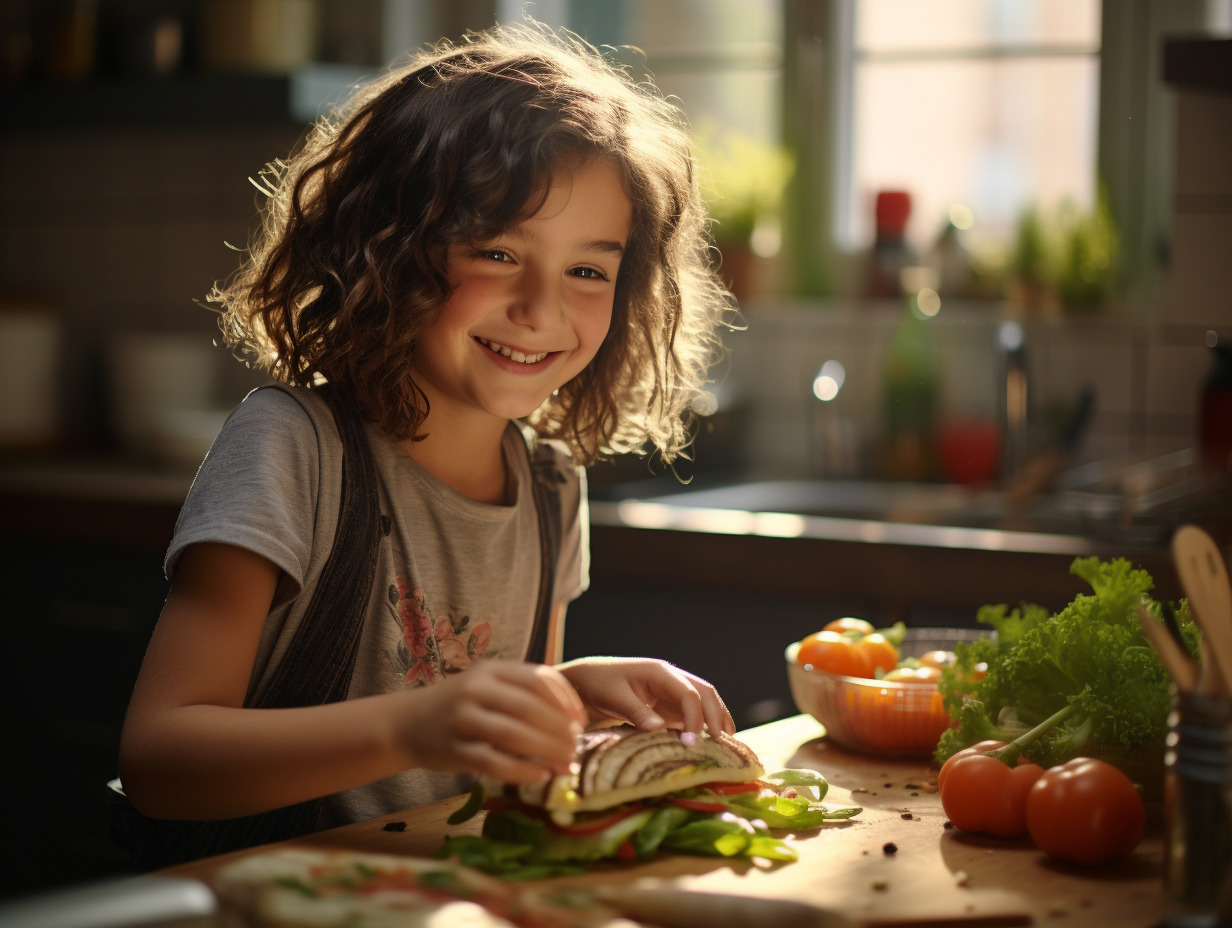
x: 743, y: 180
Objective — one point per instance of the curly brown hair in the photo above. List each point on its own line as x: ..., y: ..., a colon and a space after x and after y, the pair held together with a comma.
x: 459, y: 145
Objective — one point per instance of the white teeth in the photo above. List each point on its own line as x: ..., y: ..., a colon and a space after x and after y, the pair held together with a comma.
x: 511, y: 354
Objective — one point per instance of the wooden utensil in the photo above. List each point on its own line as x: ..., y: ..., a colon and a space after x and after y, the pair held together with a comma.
x: 1204, y: 577
x: 1179, y: 664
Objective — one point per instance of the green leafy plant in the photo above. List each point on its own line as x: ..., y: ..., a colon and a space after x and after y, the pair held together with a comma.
x: 743, y: 180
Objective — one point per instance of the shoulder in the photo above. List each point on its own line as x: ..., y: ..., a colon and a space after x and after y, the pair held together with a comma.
x: 277, y: 400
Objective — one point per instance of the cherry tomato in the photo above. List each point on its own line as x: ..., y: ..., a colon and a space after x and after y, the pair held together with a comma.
x: 937, y: 659
x: 984, y: 794
x: 1086, y: 811
x: 981, y: 747
x: 850, y: 626
x: 880, y: 654
x: 914, y: 675
x: 833, y: 653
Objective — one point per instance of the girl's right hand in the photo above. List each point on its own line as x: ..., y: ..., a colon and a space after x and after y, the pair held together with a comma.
x: 511, y: 721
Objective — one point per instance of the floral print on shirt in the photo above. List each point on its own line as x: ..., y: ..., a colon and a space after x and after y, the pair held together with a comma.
x: 431, y: 648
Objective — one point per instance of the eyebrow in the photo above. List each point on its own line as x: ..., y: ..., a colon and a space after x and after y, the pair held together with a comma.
x: 601, y: 245
x: 604, y: 245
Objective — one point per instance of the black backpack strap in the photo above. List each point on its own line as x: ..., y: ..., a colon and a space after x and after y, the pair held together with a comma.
x: 546, y: 480
x: 320, y: 659
x: 316, y: 669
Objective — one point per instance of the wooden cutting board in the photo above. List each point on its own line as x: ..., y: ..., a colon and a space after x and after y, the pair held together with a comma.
x: 896, y: 864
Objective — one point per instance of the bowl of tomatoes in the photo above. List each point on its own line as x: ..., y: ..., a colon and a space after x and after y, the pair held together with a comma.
x: 875, y: 691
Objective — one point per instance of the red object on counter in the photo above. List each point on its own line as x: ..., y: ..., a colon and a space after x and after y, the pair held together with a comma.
x: 969, y: 450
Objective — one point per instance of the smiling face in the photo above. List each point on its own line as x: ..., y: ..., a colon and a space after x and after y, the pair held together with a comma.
x: 529, y: 308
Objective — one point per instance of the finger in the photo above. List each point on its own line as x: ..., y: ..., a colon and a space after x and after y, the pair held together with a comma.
x: 482, y: 758
x: 718, y: 718
x: 536, y: 695
x: 676, y: 689
x: 644, y: 717
x: 553, y: 749
x: 566, y: 696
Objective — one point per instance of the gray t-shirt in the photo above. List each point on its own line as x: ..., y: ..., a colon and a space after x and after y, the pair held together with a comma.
x: 457, y: 579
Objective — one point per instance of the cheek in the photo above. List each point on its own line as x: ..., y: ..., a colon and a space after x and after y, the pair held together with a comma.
x: 593, y: 326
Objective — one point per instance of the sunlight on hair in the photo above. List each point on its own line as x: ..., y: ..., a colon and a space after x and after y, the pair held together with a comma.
x: 705, y: 403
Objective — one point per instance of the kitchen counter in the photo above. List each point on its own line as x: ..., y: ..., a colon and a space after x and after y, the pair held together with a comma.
x: 894, y: 864
x: 944, y: 557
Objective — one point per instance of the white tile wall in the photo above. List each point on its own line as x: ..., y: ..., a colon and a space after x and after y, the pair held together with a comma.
x: 1146, y: 376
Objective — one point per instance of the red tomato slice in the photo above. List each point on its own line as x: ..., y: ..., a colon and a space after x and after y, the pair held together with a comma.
x: 699, y: 805
x: 731, y: 789
x: 626, y: 852
x: 595, y: 825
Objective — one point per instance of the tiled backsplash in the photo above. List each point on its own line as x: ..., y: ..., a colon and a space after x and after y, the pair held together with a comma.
x: 1146, y: 377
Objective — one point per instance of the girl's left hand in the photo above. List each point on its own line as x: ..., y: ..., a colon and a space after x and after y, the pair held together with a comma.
x: 648, y: 693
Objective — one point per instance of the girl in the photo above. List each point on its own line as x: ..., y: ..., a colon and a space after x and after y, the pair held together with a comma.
x: 506, y: 230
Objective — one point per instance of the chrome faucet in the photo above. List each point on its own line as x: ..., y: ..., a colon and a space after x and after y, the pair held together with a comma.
x: 1013, y: 403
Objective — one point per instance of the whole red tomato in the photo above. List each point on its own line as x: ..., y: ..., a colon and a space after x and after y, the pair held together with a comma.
x: 1086, y: 811
x: 984, y: 794
x: 982, y: 747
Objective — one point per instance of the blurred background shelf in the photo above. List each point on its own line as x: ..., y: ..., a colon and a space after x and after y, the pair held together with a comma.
x: 217, y: 99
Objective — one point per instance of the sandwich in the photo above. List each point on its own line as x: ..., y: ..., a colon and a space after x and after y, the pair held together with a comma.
x: 632, y: 794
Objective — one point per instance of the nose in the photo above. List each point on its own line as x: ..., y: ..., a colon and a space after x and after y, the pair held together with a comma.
x: 537, y: 301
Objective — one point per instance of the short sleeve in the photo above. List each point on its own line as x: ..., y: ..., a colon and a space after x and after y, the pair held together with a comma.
x: 258, y: 486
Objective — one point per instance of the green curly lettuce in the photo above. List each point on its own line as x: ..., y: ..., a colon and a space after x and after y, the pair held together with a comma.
x: 1092, y: 654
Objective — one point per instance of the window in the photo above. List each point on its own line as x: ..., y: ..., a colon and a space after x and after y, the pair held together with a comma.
x: 987, y: 104
x: 990, y: 104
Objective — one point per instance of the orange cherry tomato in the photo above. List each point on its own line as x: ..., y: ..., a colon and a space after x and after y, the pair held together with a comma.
x: 937, y: 659
x: 928, y: 675
x: 833, y: 653
x: 877, y: 650
x: 850, y: 626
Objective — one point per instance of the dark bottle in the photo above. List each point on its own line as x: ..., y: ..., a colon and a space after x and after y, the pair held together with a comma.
x: 1215, y: 413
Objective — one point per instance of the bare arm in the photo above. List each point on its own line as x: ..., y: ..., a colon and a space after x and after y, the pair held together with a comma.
x: 190, y: 750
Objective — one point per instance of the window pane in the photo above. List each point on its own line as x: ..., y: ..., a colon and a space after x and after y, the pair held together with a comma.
x: 993, y: 134
x: 906, y: 25
x: 721, y: 58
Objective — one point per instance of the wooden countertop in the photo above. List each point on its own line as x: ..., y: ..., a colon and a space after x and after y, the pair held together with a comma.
x: 933, y: 875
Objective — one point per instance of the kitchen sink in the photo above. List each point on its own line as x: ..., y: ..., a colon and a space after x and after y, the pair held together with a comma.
x: 1139, y: 502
